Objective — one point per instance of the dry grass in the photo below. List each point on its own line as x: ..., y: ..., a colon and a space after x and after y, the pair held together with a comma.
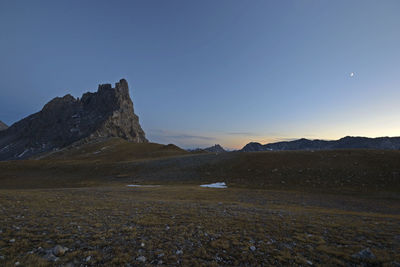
x: 281, y: 208
x: 114, y: 149
x: 343, y: 171
x: 210, y: 226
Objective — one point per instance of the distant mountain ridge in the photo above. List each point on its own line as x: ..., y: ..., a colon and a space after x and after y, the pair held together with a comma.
x: 348, y: 142
x: 215, y: 149
x: 212, y: 149
x: 3, y: 126
x: 64, y: 120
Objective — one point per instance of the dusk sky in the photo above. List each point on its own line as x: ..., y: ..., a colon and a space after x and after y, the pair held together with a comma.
x: 208, y: 72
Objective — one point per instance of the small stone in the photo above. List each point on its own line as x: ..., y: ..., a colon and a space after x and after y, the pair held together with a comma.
x: 12, y: 240
x: 59, y: 250
x: 160, y: 262
x: 142, y: 244
x: 253, y: 248
x: 50, y: 257
x: 88, y: 258
x: 364, y: 254
x: 17, y: 263
x: 160, y: 255
x: 141, y: 259
x: 167, y: 228
x: 179, y: 252
x: 309, y: 262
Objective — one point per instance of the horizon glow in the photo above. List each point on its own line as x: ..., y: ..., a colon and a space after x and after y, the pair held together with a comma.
x: 204, y: 73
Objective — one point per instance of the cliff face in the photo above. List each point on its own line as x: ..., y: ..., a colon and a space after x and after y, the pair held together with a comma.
x: 3, y: 126
x: 64, y: 120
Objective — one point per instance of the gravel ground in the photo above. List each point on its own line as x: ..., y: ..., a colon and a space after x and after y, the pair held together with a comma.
x: 193, y: 226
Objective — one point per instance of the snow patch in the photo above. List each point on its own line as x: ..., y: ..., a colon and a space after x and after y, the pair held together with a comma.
x: 23, y: 153
x: 140, y: 185
x: 4, y: 148
x: 215, y: 185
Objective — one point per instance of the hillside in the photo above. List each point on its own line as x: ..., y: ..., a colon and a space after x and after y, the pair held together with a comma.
x: 118, y: 161
x: 113, y: 150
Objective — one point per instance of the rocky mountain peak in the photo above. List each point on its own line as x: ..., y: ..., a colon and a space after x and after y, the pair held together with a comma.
x: 106, y: 113
x: 58, y: 102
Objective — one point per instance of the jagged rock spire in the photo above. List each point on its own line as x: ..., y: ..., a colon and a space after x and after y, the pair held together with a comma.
x: 106, y: 113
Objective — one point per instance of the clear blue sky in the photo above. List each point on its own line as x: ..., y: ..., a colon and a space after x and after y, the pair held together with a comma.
x: 205, y: 72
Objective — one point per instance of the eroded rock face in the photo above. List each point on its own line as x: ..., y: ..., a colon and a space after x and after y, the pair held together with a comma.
x: 65, y: 120
x: 3, y: 126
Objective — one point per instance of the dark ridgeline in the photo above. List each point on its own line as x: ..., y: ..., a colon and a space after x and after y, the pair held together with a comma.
x: 64, y: 120
x: 347, y: 142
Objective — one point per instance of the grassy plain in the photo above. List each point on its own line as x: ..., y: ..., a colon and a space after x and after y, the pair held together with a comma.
x: 280, y: 208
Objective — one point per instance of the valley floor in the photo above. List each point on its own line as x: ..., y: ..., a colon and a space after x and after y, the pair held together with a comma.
x: 191, y: 226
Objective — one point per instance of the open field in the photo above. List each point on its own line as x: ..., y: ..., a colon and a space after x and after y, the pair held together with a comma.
x: 193, y: 226
x: 116, y: 160
x: 280, y: 208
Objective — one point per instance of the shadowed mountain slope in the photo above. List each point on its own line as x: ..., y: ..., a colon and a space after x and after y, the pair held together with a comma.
x: 3, y: 126
x: 65, y: 120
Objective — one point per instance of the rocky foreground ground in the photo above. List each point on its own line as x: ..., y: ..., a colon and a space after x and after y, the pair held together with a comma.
x: 193, y: 226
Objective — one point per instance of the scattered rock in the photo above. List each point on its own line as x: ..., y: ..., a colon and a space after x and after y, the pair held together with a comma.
x: 12, y: 240
x: 88, y: 258
x: 50, y: 257
x: 252, y: 248
x: 59, y: 250
x: 141, y: 259
x: 179, y: 252
x: 365, y: 254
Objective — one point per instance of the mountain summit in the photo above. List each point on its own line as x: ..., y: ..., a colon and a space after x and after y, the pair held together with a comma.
x: 65, y: 120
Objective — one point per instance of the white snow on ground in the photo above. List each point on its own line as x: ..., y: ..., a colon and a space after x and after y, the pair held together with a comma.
x: 215, y: 185
x: 23, y: 153
x: 139, y: 185
x: 4, y: 148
